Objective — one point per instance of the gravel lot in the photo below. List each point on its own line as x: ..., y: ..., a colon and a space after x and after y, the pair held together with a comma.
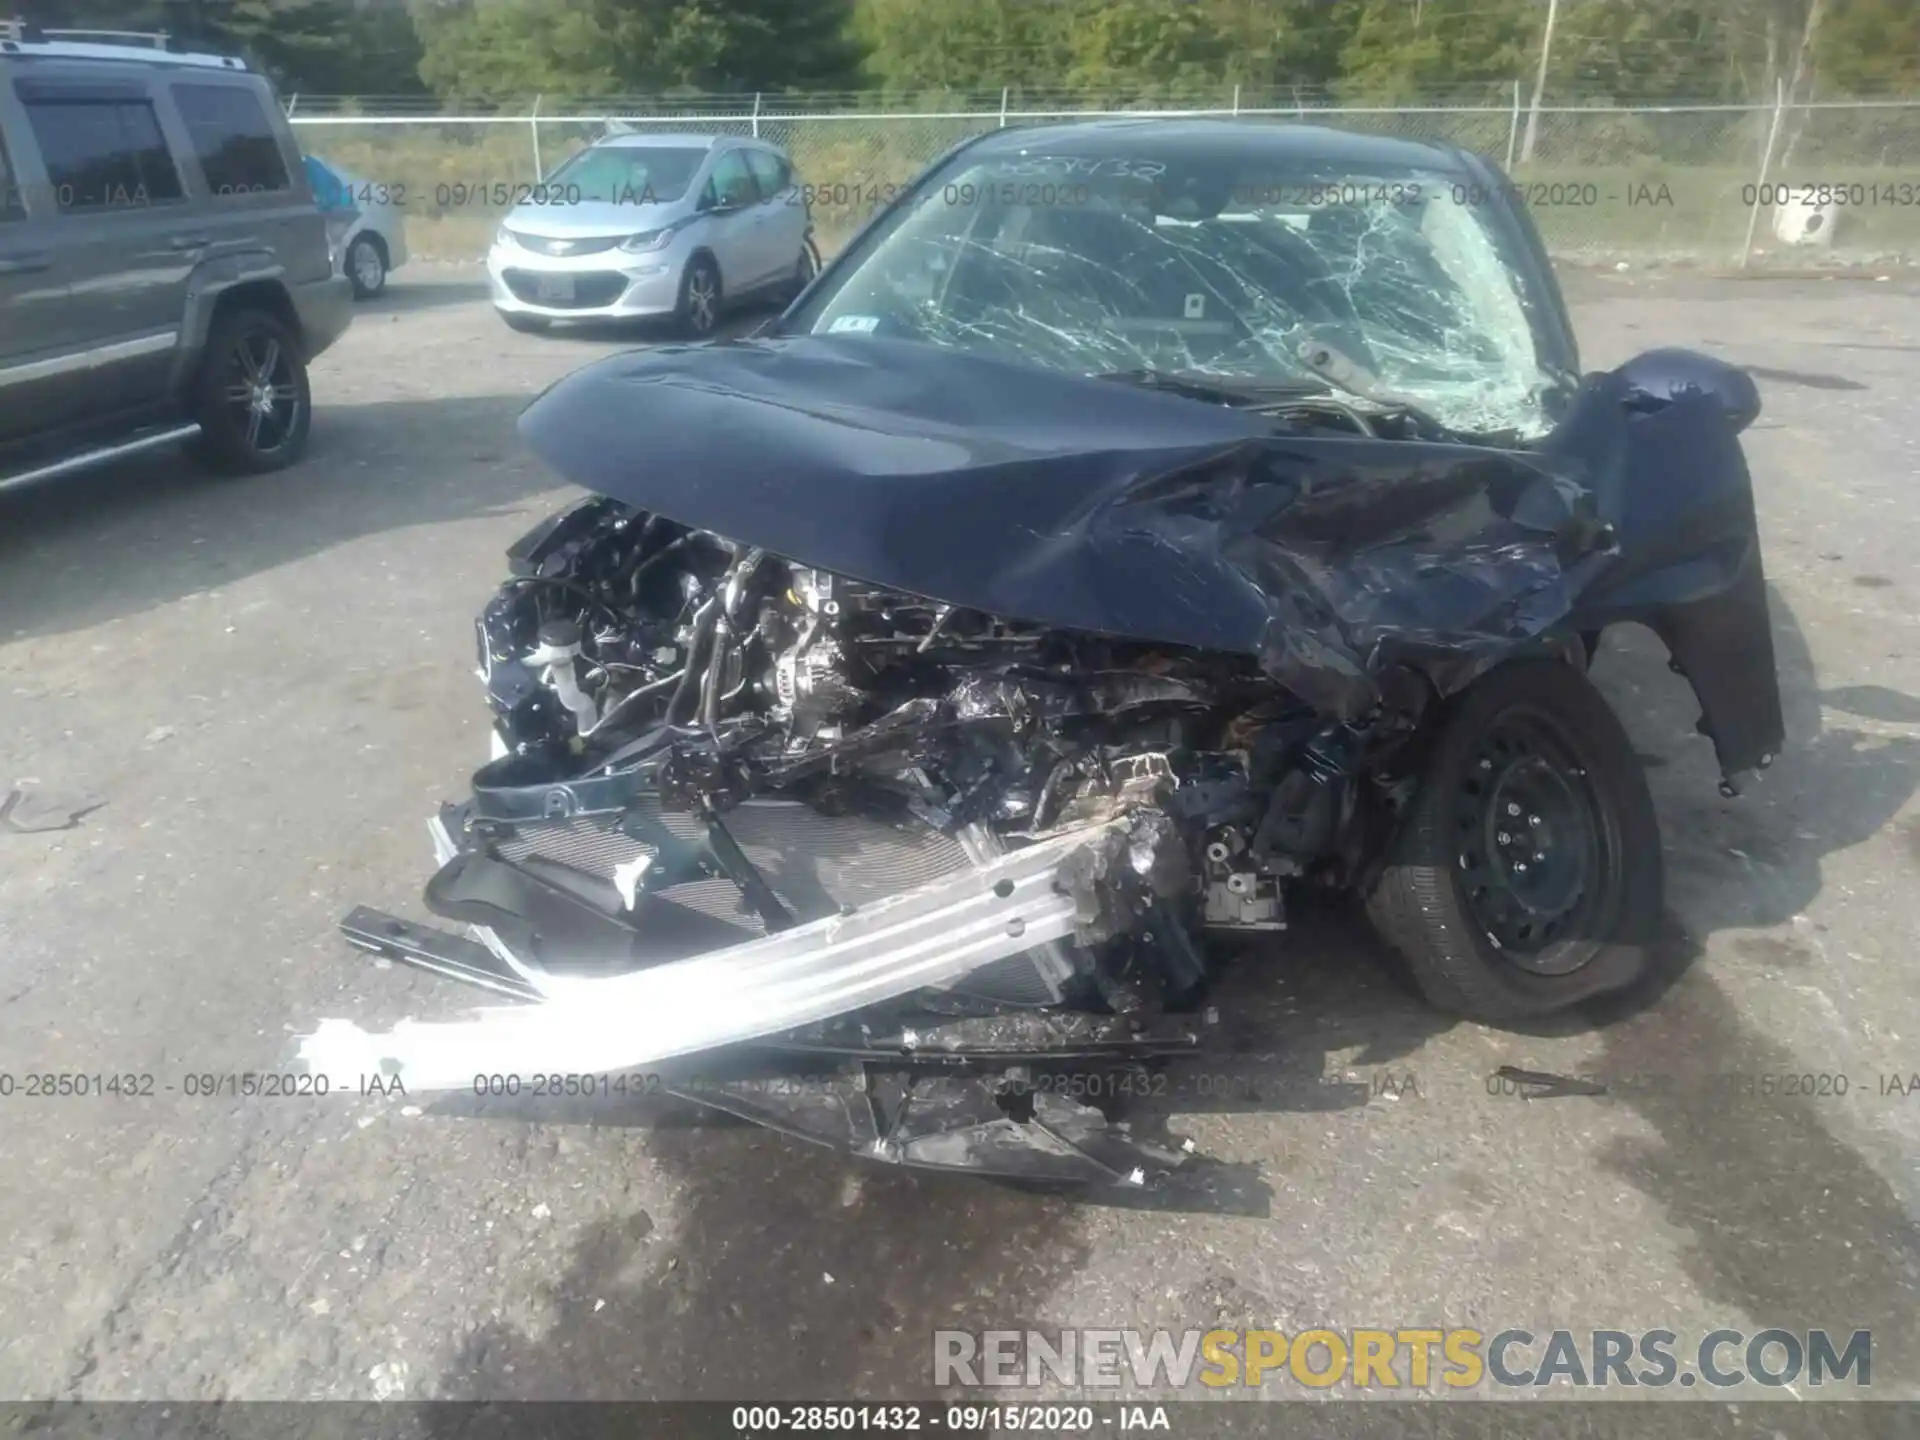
x: 267, y: 687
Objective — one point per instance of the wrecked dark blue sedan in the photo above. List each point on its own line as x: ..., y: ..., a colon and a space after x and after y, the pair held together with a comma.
x: 1137, y: 522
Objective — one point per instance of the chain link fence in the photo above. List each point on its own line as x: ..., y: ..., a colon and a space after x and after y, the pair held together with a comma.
x: 1803, y: 185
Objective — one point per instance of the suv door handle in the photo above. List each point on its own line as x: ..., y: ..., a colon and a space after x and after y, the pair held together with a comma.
x: 189, y: 242
x: 23, y: 264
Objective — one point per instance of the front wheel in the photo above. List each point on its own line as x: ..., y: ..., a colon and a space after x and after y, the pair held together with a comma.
x: 698, y: 312
x: 1526, y: 875
x: 806, y: 267
x: 251, y: 397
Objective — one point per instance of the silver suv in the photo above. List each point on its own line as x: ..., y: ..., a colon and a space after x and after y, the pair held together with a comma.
x: 164, y: 270
x: 656, y: 226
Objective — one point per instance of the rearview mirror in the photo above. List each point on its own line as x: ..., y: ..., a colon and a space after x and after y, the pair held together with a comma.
x: 1665, y: 375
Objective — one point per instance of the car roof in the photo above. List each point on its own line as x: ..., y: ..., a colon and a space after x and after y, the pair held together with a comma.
x: 667, y: 138
x: 18, y: 42
x: 657, y: 138
x: 1197, y: 138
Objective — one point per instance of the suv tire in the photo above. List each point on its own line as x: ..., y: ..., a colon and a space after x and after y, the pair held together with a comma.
x: 251, y: 397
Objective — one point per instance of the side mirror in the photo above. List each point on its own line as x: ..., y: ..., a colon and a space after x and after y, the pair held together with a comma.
x: 1662, y: 376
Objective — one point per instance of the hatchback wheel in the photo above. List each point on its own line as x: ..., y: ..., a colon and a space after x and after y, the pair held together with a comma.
x: 699, y: 311
x: 806, y: 267
x: 251, y: 397
x: 367, y: 267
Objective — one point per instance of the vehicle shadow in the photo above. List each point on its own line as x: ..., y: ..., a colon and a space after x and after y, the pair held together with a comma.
x: 1784, y: 1218
x: 833, y: 1272
x: 408, y: 291
x: 126, y: 538
x: 732, y: 326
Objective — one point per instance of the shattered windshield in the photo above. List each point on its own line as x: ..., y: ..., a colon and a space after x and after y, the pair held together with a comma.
x: 1215, y: 268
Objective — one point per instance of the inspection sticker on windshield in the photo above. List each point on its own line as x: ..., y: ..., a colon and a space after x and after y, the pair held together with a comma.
x: 1196, y: 307
x: 854, y: 325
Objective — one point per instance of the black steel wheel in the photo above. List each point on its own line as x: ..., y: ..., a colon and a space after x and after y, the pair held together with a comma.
x: 1526, y: 875
x: 251, y: 397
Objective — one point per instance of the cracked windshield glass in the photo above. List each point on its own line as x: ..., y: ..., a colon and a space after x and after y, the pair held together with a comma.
x: 1388, y: 285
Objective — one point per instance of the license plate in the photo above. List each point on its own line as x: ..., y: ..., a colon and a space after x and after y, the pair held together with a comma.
x: 554, y: 287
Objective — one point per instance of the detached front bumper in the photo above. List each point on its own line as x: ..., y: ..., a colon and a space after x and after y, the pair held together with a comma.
x: 810, y: 1029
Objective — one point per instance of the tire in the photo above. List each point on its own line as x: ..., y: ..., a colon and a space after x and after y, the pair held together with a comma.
x: 804, y: 269
x: 697, y: 314
x: 1482, y: 940
x: 251, y: 397
x: 525, y: 324
x: 366, y: 266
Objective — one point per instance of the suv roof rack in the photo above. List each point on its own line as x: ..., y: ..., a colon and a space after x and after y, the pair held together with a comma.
x: 27, y: 40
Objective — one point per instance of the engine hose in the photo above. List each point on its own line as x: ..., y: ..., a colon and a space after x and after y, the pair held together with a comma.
x: 652, y: 687
x: 640, y: 570
x: 679, y: 709
x: 716, y: 668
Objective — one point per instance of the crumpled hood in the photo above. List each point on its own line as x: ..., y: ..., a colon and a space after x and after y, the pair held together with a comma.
x: 1095, y: 505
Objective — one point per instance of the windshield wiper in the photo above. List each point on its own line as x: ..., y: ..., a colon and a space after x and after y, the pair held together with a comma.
x: 1344, y: 373
x: 1198, y: 385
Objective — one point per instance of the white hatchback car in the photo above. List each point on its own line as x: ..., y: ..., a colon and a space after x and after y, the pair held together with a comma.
x: 366, y: 226
x: 654, y: 226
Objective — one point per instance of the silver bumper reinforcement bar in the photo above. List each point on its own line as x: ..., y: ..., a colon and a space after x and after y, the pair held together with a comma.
x: 929, y: 936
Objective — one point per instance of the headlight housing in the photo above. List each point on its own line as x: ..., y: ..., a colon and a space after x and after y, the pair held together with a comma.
x: 503, y: 238
x: 649, y: 240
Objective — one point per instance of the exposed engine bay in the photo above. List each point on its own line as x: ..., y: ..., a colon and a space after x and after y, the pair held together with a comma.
x: 957, y: 734
x: 1115, y: 683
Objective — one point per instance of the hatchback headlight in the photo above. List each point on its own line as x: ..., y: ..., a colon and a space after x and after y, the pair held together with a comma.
x: 649, y: 240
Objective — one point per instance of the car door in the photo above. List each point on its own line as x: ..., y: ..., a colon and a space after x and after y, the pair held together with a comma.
x: 732, y: 205
x: 123, y: 227
x: 783, y: 216
x: 244, y: 189
x: 34, y: 337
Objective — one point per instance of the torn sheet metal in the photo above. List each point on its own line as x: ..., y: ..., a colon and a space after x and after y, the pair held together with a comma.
x: 1090, y: 505
x: 923, y: 937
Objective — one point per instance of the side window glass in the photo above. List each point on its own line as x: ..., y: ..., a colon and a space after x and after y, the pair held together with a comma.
x: 12, y: 207
x: 103, y: 154
x: 732, y: 181
x: 769, y: 172
x: 238, y: 150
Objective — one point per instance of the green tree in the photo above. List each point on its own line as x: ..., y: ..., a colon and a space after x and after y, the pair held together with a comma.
x: 503, y: 48
x: 363, y: 47
x: 1870, y: 47
x: 979, y: 46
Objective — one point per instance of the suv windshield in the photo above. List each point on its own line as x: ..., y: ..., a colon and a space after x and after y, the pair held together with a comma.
x: 1215, y: 267
x: 630, y: 174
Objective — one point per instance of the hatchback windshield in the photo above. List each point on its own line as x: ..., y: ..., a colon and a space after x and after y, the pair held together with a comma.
x: 630, y: 174
x: 1219, y: 268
